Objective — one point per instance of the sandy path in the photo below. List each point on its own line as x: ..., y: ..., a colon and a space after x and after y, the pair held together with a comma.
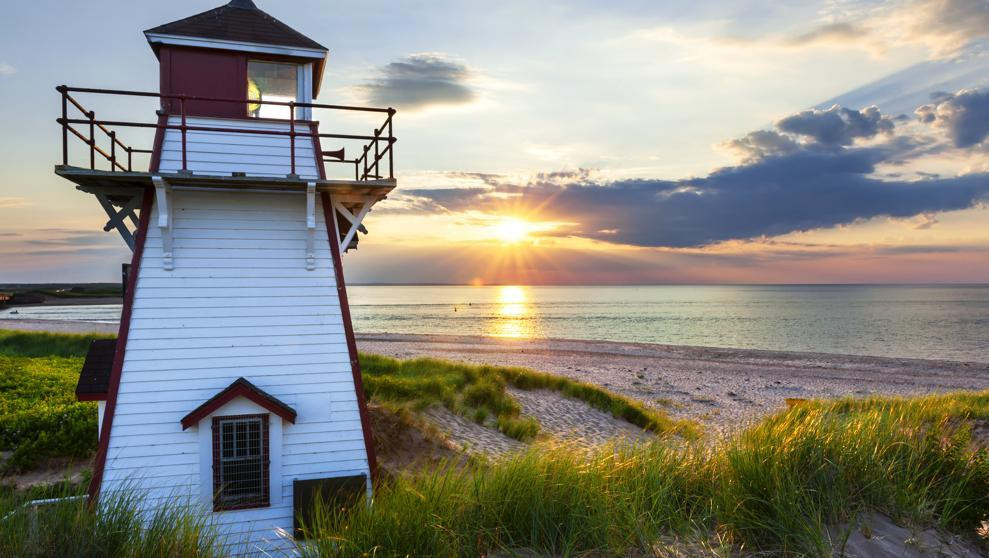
x: 720, y: 387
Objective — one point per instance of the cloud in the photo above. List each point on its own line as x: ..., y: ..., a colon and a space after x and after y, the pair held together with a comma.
x: 965, y: 115
x: 421, y: 80
x: 6, y: 69
x: 837, y: 125
x: 761, y: 144
x: 828, y: 33
x: 784, y: 186
x: 946, y: 27
x: 9, y: 203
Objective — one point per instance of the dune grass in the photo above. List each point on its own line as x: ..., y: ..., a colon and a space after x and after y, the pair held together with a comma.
x: 479, y: 393
x: 115, y: 528
x: 772, y: 488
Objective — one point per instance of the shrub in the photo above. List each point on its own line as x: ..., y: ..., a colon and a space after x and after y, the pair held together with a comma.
x: 39, y: 416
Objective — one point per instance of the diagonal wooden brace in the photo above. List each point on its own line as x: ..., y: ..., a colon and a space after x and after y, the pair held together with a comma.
x: 117, y: 219
x: 126, y: 211
x: 355, y: 220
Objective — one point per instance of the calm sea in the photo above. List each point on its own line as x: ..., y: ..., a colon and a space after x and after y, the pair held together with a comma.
x: 943, y: 322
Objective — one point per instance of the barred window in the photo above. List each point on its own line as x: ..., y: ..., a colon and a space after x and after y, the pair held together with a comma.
x: 240, y: 462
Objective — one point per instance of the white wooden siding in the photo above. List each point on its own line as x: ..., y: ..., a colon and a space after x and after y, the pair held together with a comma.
x: 223, y: 153
x: 197, y: 328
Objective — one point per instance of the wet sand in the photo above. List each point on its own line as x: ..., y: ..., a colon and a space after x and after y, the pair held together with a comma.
x: 721, y: 388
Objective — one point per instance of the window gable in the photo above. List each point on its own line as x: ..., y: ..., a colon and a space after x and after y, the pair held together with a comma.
x: 241, y: 462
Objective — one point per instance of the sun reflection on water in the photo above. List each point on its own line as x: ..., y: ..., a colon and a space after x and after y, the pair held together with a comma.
x: 514, y: 314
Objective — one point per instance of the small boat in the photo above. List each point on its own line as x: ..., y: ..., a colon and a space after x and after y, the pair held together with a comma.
x: 14, y: 312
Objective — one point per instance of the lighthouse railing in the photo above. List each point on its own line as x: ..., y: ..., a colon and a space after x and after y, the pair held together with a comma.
x: 367, y: 166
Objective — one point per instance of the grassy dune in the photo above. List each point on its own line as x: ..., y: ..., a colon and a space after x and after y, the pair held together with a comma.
x: 772, y: 488
x: 478, y: 393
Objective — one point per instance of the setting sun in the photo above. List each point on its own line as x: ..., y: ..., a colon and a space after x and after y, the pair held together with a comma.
x: 511, y: 230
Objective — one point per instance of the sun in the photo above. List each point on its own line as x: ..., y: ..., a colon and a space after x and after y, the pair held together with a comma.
x: 511, y: 230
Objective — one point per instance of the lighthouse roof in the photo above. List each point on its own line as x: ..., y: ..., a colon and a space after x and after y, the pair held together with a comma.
x: 239, y: 21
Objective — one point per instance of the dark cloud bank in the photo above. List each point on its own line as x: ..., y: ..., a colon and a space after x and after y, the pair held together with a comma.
x: 420, y: 80
x: 805, y: 174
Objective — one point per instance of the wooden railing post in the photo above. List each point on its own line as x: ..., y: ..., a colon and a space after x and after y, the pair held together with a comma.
x: 391, y: 145
x: 291, y: 141
x: 366, y: 149
x: 113, y: 151
x: 65, y: 125
x: 377, y: 154
x: 92, y: 140
x: 185, y: 164
x: 129, y: 158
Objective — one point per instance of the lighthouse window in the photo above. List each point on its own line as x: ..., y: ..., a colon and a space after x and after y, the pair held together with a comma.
x: 240, y: 462
x: 271, y: 81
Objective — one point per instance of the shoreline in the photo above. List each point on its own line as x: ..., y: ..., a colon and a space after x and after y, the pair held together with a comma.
x: 722, y: 388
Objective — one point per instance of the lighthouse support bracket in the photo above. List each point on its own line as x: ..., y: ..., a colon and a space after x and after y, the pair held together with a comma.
x: 163, y: 194
x: 311, y: 226
x: 365, y: 203
x: 117, y: 217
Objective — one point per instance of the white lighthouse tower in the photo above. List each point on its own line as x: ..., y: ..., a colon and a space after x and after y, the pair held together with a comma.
x: 234, y: 381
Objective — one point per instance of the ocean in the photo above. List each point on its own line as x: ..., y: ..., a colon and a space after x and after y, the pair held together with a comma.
x: 939, y: 322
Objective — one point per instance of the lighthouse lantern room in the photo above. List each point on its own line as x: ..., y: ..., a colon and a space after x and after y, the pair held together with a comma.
x: 234, y: 382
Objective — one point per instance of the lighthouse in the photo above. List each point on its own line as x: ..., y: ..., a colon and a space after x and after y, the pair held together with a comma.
x: 234, y: 382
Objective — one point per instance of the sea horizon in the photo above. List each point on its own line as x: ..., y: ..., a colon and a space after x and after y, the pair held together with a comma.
x: 927, y: 321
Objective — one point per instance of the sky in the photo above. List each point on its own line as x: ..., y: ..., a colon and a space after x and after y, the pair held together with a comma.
x: 578, y: 142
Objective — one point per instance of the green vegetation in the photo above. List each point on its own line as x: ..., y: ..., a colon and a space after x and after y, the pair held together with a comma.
x: 479, y: 393
x: 40, y: 418
x: 116, y: 528
x: 38, y: 344
x: 771, y: 489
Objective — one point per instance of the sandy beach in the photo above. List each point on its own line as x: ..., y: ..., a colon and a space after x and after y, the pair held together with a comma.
x: 721, y: 388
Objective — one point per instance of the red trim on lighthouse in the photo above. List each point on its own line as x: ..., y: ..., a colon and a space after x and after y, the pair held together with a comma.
x: 118, y: 356
x: 241, y: 387
x: 348, y: 328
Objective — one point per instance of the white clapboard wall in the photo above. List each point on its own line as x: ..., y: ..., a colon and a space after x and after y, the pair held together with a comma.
x: 223, y: 153
x: 239, y: 302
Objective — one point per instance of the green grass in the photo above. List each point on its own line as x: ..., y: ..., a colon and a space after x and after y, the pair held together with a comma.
x: 479, y: 393
x: 40, y: 418
x: 771, y: 488
x: 115, y: 528
x: 37, y: 344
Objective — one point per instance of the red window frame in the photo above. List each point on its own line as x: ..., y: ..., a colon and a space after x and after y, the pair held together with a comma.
x: 263, y: 499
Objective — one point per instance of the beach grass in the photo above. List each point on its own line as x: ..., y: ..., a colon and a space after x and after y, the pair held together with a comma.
x: 116, y: 527
x: 775, y: 487
x: 479, y: 392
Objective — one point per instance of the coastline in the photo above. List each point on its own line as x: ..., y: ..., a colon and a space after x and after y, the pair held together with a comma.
x: 721, y: 388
